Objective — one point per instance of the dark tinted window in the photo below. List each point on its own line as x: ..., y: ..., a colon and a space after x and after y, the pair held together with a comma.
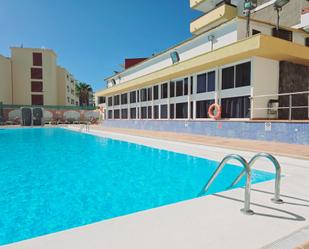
x: 172, y: 89
x: 144, y: 112
x: 156, y: 92
x: 133, y: 113
x: 37, y: 99
x: 110, y: 101
x: 37, y: 59
x: 236, y: 107
x: 182, y: 110
x: 163, y: 111
x: 179, y: 88
x: 133, y: 97
x: 201, y: 83
x: 172, y: 112
x: 36, y: 86
x: 116, y: 100
x: 144, y: 95
x: 202, y: 108
x: 255, y: 32
x: 283, y: 34
x: 110, y: 114
x: 149, y: 94
x: 124, y: 113
x: 36, y: 73
x: 228, y: 77
x: 116, y: 114
x: 124, y: 99
x: 191, y: 85
x: 211, y: 81
x: 185, y: 86
x: 149, y: 112
x: 243, y: 73
x: 156, y: 112
x: 164, y: 91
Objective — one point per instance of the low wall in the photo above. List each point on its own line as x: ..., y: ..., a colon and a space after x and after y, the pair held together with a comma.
x: 285, y: 132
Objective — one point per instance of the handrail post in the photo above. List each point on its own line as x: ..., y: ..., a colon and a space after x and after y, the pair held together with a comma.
x: 276, y: 198
x: 246, y: 210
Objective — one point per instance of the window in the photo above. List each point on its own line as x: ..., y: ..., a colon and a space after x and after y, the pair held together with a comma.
x: 191, y: 109
x: 110, y: 101
x: 144, y: 112
x: 116, y: 100
x: 211, y: 81
x: 156, y: 92
x: 156, y: 112
x: 76, y: 103
x: 179, y: 88
x: 307, y: 42
x: 149, y: 112
x: 228, y: 77
x: 243, y: 74
x: 201, y: 83
x: 182, y: 110
x: 124, y: 99
x: 36, y: 86
x: 144, y: 94
x: 133, y: 97
x: 117, y: 114
x: 101, y: 100
x: 163, y: 111
x: 124, y: 113
x: 185, y: 86
x: 172, y: 89
x: 37, y: 99
x: 37, y: 59
x: 68, y: 99
x: 36, y: 73
x: 283, y: 34
x: 202, y: 108
x: 137, y: 96
x: 72, y: 101
x: 149, y: 94
x: 110, y: 114
x: 191, y: 85
x: 172, y: 111
x: 164, y: 91
x: 68, y: 89
x: 133, y: 113
x: 72, y: 91
x: 237, y: 107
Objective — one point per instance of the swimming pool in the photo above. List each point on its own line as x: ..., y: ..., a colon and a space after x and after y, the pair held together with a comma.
x: 53, y: 179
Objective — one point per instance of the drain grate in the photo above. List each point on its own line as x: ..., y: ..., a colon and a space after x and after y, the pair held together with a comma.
x: 291, y: 241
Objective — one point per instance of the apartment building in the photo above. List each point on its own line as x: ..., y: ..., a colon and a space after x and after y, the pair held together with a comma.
x: 31, y: 76
x: 225, y: 62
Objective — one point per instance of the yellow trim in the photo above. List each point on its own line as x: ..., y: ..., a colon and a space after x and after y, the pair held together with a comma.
x: 213, y: 18
x: 258, y: 45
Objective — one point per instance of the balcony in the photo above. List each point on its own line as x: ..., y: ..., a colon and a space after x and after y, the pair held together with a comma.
x: 205, y: 5
x: 213, y: 18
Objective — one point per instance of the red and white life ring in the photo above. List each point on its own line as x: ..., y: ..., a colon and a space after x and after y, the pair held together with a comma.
x: 215, y: 108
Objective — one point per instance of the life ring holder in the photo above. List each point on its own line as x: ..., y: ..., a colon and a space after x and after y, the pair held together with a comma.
x: 217, y: 108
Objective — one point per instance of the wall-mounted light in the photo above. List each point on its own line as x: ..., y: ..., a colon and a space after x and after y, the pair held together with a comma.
x: 175, y: 57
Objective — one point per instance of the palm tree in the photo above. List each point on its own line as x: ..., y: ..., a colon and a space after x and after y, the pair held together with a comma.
x: 83, y: 91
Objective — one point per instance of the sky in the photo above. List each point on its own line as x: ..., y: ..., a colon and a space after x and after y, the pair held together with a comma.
x: 93, y: 37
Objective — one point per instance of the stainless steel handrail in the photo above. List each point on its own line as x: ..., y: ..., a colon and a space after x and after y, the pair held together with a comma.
x: 247, y: 170
x: 275, y: 162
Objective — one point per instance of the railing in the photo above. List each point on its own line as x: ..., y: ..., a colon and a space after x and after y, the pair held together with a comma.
x: 85, y: 127
x: 276, y: 164
x: 246, y: 209
x: 273, y: 104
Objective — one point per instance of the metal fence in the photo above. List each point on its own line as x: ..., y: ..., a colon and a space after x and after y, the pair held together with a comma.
x: 291, y: 106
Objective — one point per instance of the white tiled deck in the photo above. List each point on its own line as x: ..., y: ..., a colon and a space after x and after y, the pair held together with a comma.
x: 208, y: 222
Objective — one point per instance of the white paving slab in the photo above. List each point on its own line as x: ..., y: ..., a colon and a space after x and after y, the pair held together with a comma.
x: 207, y: 222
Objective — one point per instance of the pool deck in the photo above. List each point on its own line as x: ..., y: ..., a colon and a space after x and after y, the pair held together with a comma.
x: 207, y: 222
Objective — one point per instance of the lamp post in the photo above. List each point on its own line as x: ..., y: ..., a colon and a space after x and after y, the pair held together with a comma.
x: 249, y: 5
x: 278, y: 7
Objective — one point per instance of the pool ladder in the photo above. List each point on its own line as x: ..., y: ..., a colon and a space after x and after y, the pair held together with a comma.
x: 247, y: 171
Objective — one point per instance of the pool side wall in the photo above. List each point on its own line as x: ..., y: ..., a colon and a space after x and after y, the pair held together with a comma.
x: 293, y: 133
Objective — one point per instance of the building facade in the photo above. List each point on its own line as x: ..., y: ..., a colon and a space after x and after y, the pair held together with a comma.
x: 219, y: 64
x: 31, y: 77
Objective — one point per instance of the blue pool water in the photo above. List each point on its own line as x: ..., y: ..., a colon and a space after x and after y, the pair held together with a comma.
x: 54, y: 179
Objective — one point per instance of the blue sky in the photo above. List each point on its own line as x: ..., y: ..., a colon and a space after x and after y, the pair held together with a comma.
x: 92, y: 37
